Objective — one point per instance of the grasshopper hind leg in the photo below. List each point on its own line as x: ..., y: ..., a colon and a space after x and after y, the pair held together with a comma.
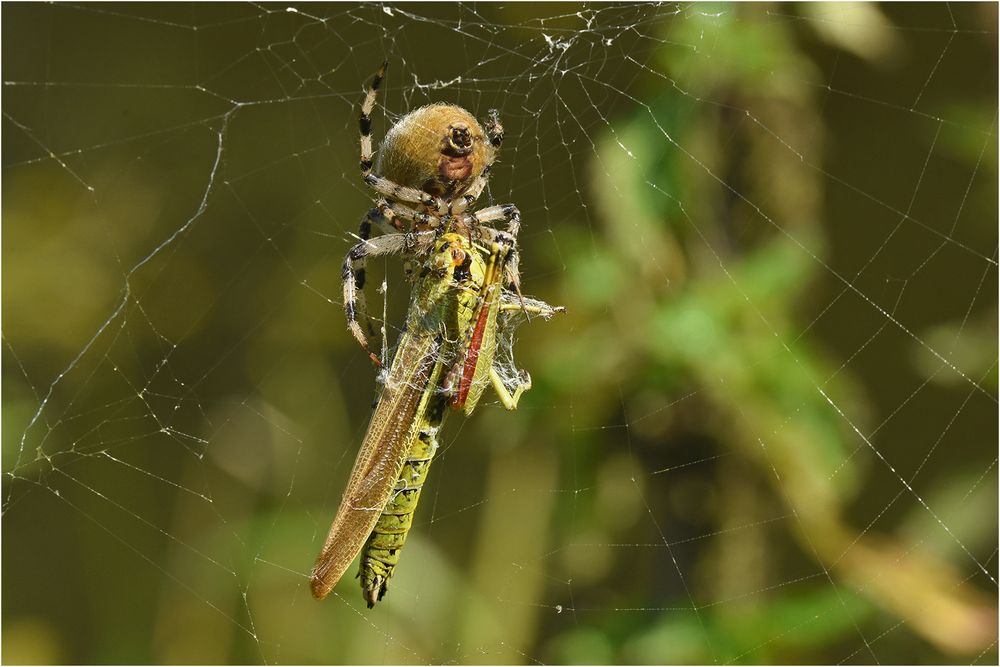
x: 509, y: 400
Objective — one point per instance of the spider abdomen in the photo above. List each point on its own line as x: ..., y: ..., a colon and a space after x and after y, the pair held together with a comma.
x: 439, y: 148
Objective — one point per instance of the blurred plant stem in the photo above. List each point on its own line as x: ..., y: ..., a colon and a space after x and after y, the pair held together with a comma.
x: 511, y: 542
x: 719, y: 317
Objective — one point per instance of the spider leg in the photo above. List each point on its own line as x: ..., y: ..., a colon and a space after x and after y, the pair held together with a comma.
x: 418, y: 218
x: 387, y: 223
x: 503, y: 212
x: 420, y: 223
x: 509, y: 214
x: 509, y: 400
x: 382, y: 217
x: 460, y: 204
x: 512, y: 272
x: 494, y: 130
x: 364, y: 233
x: 390, y: 217
x: 354, y: 274
x: 354, y: 280
x: 382, y: 185
x: 398, y: 192
x: 365, y: 121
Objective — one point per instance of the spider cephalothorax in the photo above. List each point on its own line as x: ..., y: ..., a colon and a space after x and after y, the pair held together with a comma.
x: 434, y: 163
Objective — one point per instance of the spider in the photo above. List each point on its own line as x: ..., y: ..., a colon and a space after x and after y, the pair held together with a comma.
x: 432, y: 166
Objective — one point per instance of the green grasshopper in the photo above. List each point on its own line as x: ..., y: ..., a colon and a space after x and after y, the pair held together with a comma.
x: 443, y: 361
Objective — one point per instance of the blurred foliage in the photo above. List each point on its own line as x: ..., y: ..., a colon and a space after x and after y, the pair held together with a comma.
x: 764, y: 432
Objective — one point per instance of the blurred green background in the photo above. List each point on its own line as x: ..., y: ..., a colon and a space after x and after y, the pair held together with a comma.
x: 765, y: 432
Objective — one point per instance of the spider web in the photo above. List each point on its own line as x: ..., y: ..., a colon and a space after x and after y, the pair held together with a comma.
x: 765, y: 431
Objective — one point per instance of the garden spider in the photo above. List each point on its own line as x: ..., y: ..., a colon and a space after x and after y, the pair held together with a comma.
x: 433, y: 164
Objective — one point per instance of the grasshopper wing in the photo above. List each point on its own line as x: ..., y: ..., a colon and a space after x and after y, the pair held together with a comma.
x: 379, y: 460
